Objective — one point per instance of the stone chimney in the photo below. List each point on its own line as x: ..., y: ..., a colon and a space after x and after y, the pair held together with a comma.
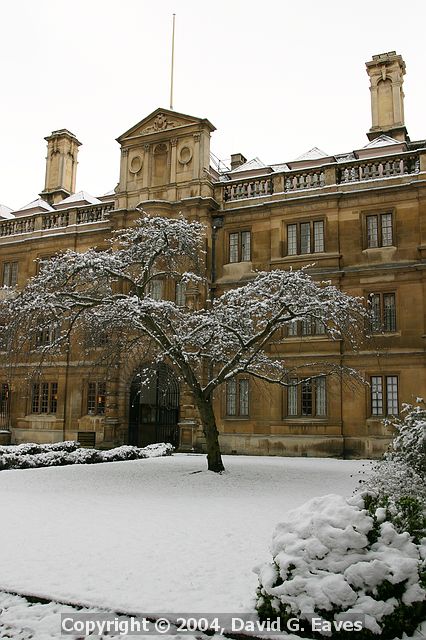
x: 237, y: 159
x: 61, y: 166
x: 386, y: 72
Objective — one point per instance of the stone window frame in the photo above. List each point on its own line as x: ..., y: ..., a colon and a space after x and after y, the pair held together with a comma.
x: 10, y: 273
x: 378, y: 213
x: 93, y: 391
x: 43, y: 395
x: 382, y: 330
x: 311, y: 221
x: 385, y: 397
x: 242, y: 411
x: 240, y: 245
x: 296, y: 390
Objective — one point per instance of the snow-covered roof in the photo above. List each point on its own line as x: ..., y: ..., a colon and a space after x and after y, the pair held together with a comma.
x: 255, y: 163
x: 315, y: 157
x: 345, y: 157
x: 80, y: 196
x: 6, y: 212
x: 312, y: 154
x: 381, y: 141
x: 108, y: 193
x: 39, y: 204
x: 280, y: 167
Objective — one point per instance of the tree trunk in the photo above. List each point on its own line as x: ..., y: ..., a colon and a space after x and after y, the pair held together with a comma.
x: 208, y: 421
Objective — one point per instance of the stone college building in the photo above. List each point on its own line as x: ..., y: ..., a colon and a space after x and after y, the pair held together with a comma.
x: 360, y: 217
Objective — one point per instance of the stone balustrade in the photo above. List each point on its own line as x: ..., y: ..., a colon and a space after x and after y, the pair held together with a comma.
x: 329, y: 175
x: 374, y: 169
x: 252, y: 188
x: 95, y: 213
x: 55, y: 219
x: 17, y: 226
x: 304, y: 180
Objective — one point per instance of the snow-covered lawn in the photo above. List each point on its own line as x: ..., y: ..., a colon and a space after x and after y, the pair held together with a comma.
x: 153, y: 535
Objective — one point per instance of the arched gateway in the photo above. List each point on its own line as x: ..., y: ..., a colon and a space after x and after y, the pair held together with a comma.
x: 154, y: 407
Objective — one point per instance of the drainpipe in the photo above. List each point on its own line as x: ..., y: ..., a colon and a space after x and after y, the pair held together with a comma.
x: 67, y: 366
x: 66, y: 388
x: 217, y: 223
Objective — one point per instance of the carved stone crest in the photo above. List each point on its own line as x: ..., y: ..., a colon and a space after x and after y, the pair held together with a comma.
x: 161, y: 123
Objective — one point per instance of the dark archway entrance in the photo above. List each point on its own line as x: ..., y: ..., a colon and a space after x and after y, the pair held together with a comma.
x: 154, y: 407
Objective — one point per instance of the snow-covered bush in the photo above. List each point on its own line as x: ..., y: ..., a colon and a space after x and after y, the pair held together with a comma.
x: 397, y: 483
x: 332, y: 559
x: 22, y: 456
x: 29, y: 448
x: 409, y: 443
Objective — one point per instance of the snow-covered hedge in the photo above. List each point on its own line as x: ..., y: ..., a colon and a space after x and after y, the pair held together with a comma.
x: 332, y: 558
x: 32, y: 456
x: 32, y: 447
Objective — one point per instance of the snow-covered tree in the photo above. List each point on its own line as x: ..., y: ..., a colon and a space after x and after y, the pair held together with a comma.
x: 207, y: 342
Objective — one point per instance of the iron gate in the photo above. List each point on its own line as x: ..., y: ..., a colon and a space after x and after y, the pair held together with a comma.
x: 4, y: 406
x: 154, y: 407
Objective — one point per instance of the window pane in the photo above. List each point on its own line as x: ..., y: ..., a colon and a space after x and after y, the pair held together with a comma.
x: 307, y: 398
x: 376, y: 396
x: 233, y: 247
x: 392, y: 395
x: 372, y: 232
x: 307, y: 326
x: 376, y: 320
x: 13, y: 273
x: 245, y: 246
x: 389, y: 312
x: 292, y: 328
x: 180, y: 294
x: 318, y: 236
x: 387, y: 236
x: 291, y: 239
x: 156, y: 289
x: 292, y: 398
x: 244, y: 397
x: 53, y: 397
x: 100, y: 409
x: 6, y: 274
x: 319, y: 327
x: 321, y: 409
x: 91, y: 398
x: 305, y: 237
x: 35, y: 403
x: 44, y: 397
x: 231, y: 398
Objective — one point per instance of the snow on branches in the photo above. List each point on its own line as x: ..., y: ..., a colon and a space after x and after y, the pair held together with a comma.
x: 115, y: 291
x: 236, y: 333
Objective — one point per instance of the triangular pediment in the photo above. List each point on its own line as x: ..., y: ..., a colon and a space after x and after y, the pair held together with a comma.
x: 162, y: 120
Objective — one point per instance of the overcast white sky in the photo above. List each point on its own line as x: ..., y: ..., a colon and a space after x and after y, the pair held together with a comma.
x: 276, y: 78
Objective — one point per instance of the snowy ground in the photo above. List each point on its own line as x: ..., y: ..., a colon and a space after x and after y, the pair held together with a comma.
x: 146, y: 536
x: 153, y: 535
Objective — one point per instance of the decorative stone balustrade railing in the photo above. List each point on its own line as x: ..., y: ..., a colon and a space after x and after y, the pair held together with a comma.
x: 14, y: 227
x: 248, y: 189
x: 304, y: 180
x: 329, y: 175
x: 55, y: 220
x: 95, y: 213
x: 378, y: 168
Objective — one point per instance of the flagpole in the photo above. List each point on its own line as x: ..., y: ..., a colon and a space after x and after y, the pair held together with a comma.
x: 173, y: 63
